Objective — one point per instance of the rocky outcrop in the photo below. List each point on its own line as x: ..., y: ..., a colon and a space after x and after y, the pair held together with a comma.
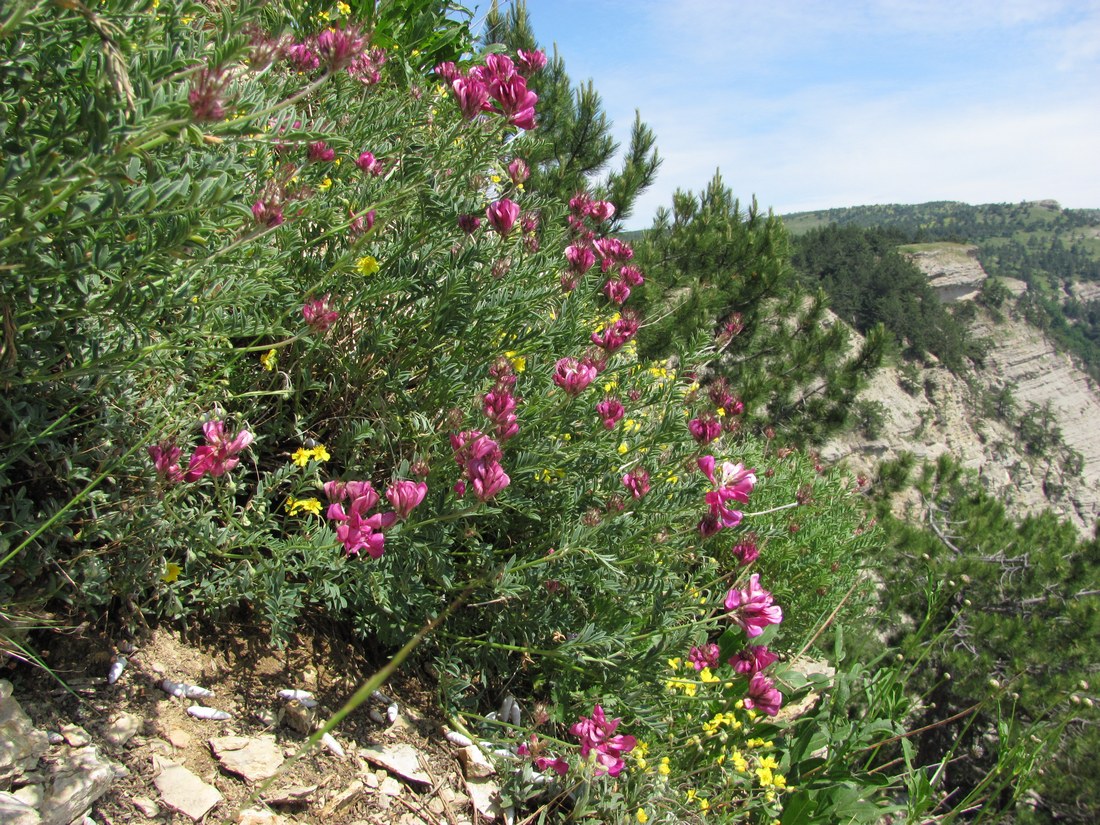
x: 938, y: 412
x: 952, y: 269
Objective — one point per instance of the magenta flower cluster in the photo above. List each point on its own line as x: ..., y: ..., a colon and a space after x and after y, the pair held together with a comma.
x: 479, y: 457
x: 337, y: 49
x: 499, y: 404
x: 319, y: 314
x: 734, y: 483
x: 596, y: 735
x: 218, y: 456
x: 500, y: 86
x: 357, y: 530
x: 574, y: 375
x: 751, y: 608
x: 707, y: 427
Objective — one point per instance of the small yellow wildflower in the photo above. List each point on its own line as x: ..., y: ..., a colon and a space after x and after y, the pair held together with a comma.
x: 610, y: 385
x: 343, y: 8
x: 322, y: 15
x: 675, y: 663
x: 518, y: 362
x: 296, y: 506
x: 495, y: 178
x: 320, y: 453
x: 171, y: 572
x: 663, y: 769
x: 624, y: 448
x: 673, y: 479
x: 326, y: 184
x: 268, y: 359
x: 706, y: 676
x: 642, y: 816
x: 720, y: 412
x: 302, y: 456
x: 704, y: 805
x: 367, y: 265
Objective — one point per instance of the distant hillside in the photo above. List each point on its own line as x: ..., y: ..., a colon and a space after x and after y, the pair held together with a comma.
x: 1055, y: 251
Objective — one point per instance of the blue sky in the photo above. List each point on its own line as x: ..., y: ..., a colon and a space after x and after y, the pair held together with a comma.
x: 809, y: 105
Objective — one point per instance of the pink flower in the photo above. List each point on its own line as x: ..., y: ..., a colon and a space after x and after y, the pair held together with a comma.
x: 362, y: 224
x: 502, y: 215
x: 472, y: 96
x: 339, y: 47
x: 612, y: 250
x: 302, y: 57
x: 613, y: 337
x: 617, y: 291
x: 514, y: 101
x: 447, y: 71
x: 739, y: 480
x: 320, y: 151
x: 573, y: 375
x: 705, y: 656
x: 268, y: 212
x: 166, y: 458
x: 479, y: 457
x: 705, y: 429
x: 319, y: 314
x: 499, y: 406
x: 405, y: 496
x: 762, y: 695
x: 601, y: 211
x: 595, y: 734
x: 530, y: 62
x: 367, y: 68
x: 555, y: 764
x: 637, y: 482
x: 580, y: 204
x: 632, y: 275
x: 488, y: 480
x: 611, y: 410
x: 746, y: 552
x: 518, y: 171
x: 369, y: 163
x: 219, y: 455
x: 498, y: 67
x: 752, y: 659
x: 468, y: 223
x: 753, y: 608
x: 580, y: 258
x: 206, y: 97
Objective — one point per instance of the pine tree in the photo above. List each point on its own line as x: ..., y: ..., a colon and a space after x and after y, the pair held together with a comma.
x: 715, y: 271
x: 576, y: 146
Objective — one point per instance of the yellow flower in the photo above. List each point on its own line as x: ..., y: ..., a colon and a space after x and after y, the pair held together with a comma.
x: 303, y: 505
x: 268, y: 359
x: 343, y: 8
x: 674, y: 664
x: 624, y: 448
x: 367, y: 265
x: 642, y: 816
x: 704, y: 805
x: 663, y: 769
x: 706, y: 676
x: 326, y: 184
x: 302, y: 456
x: 518, y: 362
x: 610, y: 385
x: 320, y: 453
x: 171, y: 572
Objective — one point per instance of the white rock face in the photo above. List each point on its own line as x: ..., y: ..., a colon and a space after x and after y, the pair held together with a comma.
x: 945, y: 416
x: 952, y: 269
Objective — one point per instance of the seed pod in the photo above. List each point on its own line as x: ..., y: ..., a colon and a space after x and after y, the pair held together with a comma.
x: 211, y: 714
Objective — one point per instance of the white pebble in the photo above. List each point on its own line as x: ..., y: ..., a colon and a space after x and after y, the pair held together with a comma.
x: 212, y: 714
x: 303, y: 696
x: 456, y: 738
x: 117, y: 666
x: 392, y: 712
x: 329, y: 741
x: 184, y: 690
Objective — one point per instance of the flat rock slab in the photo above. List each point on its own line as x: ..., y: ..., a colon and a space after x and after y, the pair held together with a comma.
x: 255, y: 759
x: 485, y: 794
x: 182, y: 790
x: 76, y: 780
x: 14, y: 811
x: 399, y: 759
x: 121, y: 729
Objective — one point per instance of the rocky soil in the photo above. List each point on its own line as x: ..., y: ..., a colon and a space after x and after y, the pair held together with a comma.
x: 130, y: 752
x: 944, y: 412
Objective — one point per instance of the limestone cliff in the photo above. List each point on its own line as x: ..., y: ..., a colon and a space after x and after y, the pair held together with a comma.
x: 942, y: 412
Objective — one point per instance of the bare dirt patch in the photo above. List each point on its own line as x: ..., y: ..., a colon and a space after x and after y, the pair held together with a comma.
x: 245, y: 675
